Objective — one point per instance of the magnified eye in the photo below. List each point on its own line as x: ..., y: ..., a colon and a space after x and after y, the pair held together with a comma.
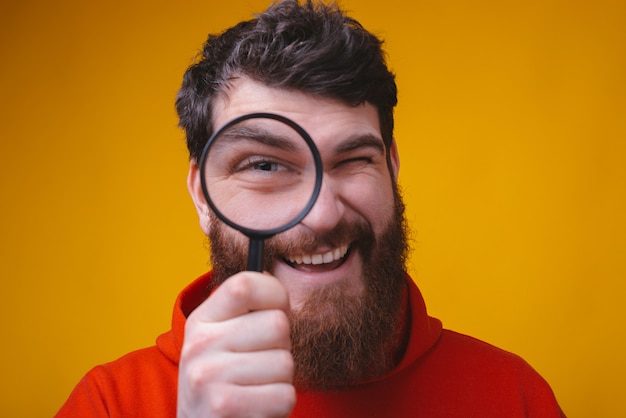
x: 266, y: 166
x: 260, y: 164
x: 260, y: 173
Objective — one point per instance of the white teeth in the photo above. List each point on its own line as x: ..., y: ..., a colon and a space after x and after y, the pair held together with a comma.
x: 324, y: 258
x: 317, y: 259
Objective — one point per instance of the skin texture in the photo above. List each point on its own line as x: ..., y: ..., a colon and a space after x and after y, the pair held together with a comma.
x: 236, y: 358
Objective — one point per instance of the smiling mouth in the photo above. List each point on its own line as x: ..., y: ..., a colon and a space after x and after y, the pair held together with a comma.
x: 330, y: 259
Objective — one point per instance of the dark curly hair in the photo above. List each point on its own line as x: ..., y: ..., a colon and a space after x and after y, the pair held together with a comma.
x: 310, y: 47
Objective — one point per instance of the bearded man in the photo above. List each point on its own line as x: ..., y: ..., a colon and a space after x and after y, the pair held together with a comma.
x: 333, y: 326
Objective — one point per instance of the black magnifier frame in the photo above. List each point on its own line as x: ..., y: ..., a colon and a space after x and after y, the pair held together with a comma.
x: 257, y: 236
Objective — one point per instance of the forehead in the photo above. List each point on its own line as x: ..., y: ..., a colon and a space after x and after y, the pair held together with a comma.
x: 327, y: 121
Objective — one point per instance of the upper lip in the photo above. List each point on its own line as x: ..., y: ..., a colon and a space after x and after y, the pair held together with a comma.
x: 319, y: 258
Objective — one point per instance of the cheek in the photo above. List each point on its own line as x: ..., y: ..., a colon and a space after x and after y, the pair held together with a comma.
x: 371, y: 200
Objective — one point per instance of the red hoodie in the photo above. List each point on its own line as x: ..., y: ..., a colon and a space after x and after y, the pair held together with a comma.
x: 442, y: 374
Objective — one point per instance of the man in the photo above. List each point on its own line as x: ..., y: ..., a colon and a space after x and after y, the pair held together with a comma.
x: 334, y: 327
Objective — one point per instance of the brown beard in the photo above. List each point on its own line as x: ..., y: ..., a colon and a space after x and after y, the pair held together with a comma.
x: 337, y: 339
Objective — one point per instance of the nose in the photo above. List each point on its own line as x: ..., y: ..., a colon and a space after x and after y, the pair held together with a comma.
x: 328, y: 209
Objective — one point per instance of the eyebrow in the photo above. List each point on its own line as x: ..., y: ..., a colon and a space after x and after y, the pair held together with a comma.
x: 361, y: 141
x: 263, y: 136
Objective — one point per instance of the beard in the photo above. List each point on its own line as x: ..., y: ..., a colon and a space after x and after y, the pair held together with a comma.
x: 338, y: 339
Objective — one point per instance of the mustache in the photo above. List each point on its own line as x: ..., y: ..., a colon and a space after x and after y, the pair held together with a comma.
x: 303, y: 241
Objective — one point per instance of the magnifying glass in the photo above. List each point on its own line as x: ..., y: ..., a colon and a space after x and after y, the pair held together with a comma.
x: 261, y: 173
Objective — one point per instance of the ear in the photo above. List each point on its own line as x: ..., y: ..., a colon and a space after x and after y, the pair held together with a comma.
x: 195, y: 190
x: 394, y: 157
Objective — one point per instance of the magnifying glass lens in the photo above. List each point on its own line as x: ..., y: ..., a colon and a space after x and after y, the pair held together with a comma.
x: 259, y: 173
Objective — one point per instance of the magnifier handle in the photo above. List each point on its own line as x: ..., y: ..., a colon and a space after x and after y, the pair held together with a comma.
x: 255, y: 255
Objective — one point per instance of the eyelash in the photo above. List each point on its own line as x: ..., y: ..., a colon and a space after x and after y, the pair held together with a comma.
x: 366, y: 160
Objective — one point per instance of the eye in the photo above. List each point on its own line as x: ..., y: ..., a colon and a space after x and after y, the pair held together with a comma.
x: 259, y: 164
x: 265, y: 174
x: 356, y: 162
x: 265, y: 166
x: 364, y: 160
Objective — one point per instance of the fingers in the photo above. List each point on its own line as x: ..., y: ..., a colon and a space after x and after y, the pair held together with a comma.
x: 253, y: 331
x: 243, y: 293
x: 271, y: 400
x: 246, y: 369
x: 246, y: 313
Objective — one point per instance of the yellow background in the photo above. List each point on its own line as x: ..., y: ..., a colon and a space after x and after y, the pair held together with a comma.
x: 511, y: 127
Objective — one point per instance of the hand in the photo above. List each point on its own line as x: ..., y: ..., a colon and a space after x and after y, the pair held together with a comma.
x: 236, y: 359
